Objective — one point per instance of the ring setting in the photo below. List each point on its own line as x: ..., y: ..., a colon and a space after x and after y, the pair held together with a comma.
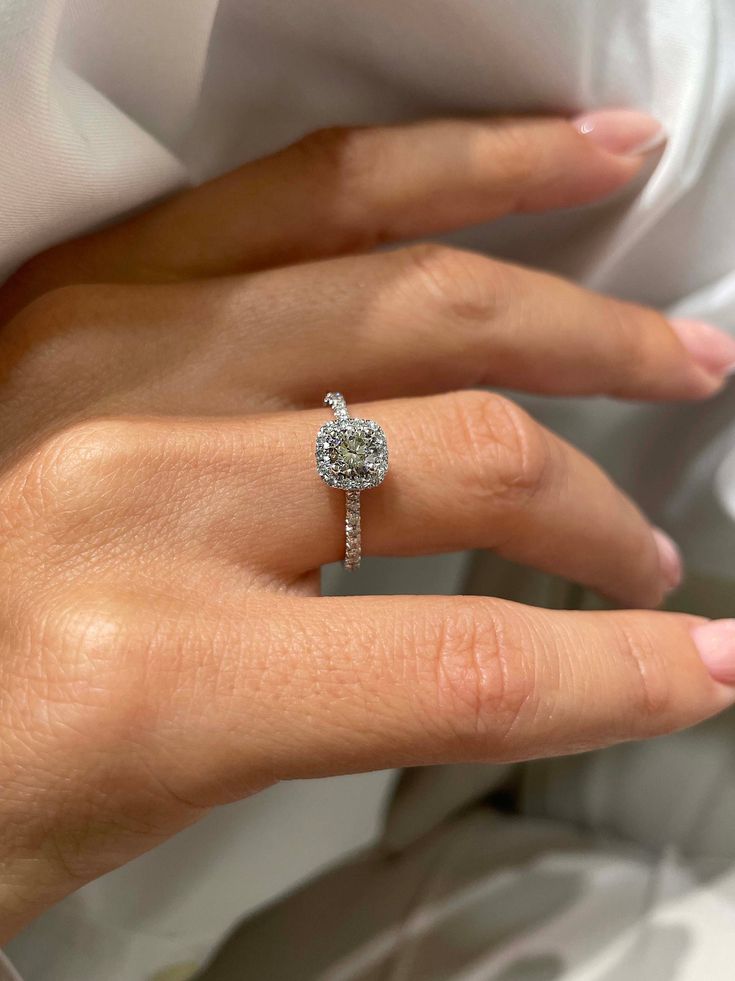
x: 351, y: 455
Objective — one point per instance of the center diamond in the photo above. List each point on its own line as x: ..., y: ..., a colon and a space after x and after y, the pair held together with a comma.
x: 352, y: 454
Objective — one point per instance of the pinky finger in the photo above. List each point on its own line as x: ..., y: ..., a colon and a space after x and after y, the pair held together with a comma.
x: 350, y: 684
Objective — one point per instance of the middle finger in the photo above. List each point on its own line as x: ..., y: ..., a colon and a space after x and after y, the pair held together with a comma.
x: 415, y: 321
x: 467, y: 470
x: 431, y: 318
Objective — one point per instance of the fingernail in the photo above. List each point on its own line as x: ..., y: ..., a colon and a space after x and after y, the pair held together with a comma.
x: 710, y: 347
x: 716, y: 645
x: 625, y: 132
x: 669, y: 557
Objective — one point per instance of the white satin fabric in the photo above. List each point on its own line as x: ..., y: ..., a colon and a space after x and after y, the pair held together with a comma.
x: 108, y: 104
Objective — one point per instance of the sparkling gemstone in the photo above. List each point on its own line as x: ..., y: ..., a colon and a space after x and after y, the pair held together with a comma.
x: 352, y: 454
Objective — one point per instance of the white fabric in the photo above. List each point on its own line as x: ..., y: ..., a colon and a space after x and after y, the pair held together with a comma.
x: 7, y: 971
x: 107, y: 104
x: 491, y: 898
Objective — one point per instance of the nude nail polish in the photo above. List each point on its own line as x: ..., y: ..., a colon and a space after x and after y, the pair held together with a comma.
x: 626, y: 132
x: 716, y: 644
x: 711, y: 348
x: 669, y: 556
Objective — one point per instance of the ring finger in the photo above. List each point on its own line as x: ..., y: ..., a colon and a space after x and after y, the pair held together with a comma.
x: 467, y: 470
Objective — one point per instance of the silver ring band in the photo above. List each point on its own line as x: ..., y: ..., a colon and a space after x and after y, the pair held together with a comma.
x: 351, y: 455
x: 353, y: 531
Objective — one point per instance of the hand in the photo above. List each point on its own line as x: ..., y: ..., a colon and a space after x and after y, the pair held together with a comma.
x: 162, y: 523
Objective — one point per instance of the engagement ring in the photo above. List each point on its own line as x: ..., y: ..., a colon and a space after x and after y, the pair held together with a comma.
x: 351, y: 455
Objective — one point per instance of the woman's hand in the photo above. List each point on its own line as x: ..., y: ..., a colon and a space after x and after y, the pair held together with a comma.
x: 162, y: 523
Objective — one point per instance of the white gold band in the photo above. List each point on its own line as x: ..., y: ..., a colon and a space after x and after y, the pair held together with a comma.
x: 353, y: 536
x: 336, y: 401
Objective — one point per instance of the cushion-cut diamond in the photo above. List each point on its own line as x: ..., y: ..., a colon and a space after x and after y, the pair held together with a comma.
x: 352, y: 454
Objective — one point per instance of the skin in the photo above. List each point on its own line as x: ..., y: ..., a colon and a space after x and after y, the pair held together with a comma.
x: 163, y: 648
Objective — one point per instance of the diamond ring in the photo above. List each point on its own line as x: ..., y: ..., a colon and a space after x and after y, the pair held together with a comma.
x: 351, y: 455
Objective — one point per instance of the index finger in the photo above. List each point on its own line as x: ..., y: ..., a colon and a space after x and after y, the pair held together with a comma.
x: 348, y: 189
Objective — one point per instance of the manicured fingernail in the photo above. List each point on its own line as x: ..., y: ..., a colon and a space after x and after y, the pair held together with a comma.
x: 626, y: 132
x: 716, y: 645
x: 669, y: 557
x: 710, y: 347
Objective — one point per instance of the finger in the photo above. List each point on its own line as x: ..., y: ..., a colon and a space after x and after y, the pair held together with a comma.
x: 413, y: 321
x: 350, y: 684
x: 431, y: 318
x: 467, y: 470
x: 349, y: 189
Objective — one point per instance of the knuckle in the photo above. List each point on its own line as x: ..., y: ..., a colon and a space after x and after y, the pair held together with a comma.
x: 34, y: 278
x: 515, y: 154
x: 85, y: 714
x: 627, y: 332
x: 80, y: 660
x: 59, y: 342
x: 103, y: 486
x: 651, y: 692
x: 507, y: 455
x: 333, y: 146
x: 345, y: 159
x: 77, y: 465
x: 460, y: 286
x: 483, y: 685
x: 85, y: 632
x: 58, y: 306
x: 68, y: 494
x: 43, y: 341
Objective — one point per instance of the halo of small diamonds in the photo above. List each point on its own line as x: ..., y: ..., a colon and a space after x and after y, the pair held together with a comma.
x: 352, y: 454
